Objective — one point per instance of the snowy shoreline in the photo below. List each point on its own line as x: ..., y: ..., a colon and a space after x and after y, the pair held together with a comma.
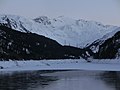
x: 68, y: 64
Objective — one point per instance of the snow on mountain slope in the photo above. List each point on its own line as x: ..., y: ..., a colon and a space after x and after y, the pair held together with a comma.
x: 65, y: 31
x: 96, y: 44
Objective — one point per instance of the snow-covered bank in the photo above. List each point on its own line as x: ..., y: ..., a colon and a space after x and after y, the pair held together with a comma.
x: 76, y: 64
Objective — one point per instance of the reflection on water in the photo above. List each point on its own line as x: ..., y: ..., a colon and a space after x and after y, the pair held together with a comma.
x: 24, y: 80
x: 60, y: 80
x: 112, y: 78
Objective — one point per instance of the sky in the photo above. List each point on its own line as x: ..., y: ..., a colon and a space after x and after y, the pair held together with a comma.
x: 104, y: 11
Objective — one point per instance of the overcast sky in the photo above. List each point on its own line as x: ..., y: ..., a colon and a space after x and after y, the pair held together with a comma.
x: 105, y: 11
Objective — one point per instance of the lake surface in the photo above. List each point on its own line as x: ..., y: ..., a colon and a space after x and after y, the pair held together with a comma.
x: 60, y: 80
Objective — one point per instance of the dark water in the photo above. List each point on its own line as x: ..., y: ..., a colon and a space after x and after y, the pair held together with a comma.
x: 60, y: 80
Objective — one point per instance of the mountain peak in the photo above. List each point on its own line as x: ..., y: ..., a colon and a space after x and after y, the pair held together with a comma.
x: 43, y: 19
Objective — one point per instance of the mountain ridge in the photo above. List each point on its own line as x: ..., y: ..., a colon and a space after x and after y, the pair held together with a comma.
x: 64, y: 30
x: 78, y: 38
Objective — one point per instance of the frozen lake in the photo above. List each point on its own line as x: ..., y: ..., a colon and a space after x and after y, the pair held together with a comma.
x: 60, y: 80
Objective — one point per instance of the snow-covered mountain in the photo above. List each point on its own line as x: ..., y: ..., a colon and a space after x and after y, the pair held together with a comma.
x: 95, y: 46
x: 110, y: 48
x: 65, y: 31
